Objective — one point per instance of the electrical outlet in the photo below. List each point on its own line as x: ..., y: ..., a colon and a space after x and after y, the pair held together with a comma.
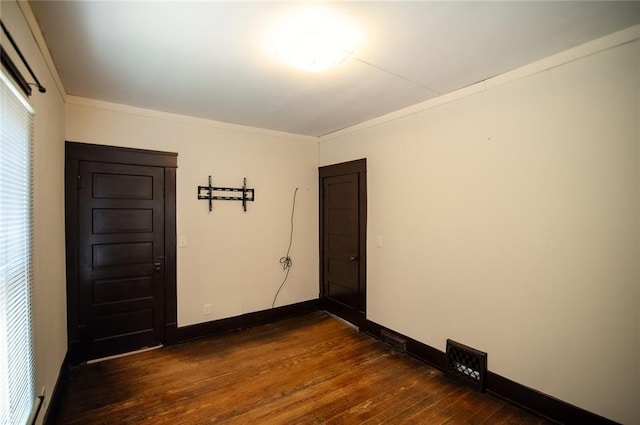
x: 207, y: 309
x: 379, y: 241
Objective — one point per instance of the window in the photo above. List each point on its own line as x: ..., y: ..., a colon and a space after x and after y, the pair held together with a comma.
x: 16, y: 356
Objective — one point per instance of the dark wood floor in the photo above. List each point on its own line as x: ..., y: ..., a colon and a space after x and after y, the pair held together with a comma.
x: 312, y: 369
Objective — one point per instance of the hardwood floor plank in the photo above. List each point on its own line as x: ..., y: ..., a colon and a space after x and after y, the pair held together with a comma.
x: 340, y: 394
x: 386, y: 396
x: 313, y: 369
x: 479, y: 413
x: 429, y: 410
x: 396, y: 391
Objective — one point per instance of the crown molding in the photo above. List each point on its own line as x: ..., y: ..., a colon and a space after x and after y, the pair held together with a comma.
x: 168, y: 116
x: 32, y: 23
x: 610, y: 41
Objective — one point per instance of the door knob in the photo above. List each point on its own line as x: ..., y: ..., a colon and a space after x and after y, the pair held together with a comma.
x: 353, y: 258
x: 157, y: 266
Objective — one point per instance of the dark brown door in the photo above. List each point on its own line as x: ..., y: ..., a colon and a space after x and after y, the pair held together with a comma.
x: 343, y: 240
x: 121, y: 257
x: 120, y: 210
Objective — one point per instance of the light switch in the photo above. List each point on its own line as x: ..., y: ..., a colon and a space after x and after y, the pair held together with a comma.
x: 182, y: 241
x: 379, y: 241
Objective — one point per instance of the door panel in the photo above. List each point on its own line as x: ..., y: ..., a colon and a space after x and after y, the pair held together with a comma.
x: 121, y: 256
x: 339, y: 267
x: 343, y: 244
x: 121, y: 289
x: 341, y: 239
x: 110, y: 220
x: 115, y: 186
x: 108, y: 325
x: 345, y: 296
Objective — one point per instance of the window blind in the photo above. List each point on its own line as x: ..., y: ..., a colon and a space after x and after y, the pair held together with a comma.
x: 16, y: 353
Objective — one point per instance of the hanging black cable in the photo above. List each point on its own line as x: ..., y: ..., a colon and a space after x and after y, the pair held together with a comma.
x: 286, y: 260
x: 41, y: 89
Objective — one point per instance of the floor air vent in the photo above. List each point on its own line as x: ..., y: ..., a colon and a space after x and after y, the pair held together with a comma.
x: 394, y: 341
x: 466, y: 365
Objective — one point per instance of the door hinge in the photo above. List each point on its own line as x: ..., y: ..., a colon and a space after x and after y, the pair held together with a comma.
x: 79, y: 180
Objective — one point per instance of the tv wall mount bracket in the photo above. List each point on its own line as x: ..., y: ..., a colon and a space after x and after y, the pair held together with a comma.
x: 212, y: 193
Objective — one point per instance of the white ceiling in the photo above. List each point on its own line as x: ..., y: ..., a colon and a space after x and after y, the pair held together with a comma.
x: 206, y: 59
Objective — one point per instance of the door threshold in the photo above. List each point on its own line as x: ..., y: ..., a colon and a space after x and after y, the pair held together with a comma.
x: 130, y: 353
x: 345, y: 321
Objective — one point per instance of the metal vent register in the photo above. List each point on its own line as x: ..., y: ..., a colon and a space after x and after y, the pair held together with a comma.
x: 466, y: 365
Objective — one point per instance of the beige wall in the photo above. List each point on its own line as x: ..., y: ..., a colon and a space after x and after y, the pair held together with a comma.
x: 49, y: 293
x: 509, y: 220
x: 231, y: 260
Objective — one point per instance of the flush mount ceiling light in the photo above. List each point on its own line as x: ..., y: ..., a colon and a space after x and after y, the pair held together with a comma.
x: 312, y: 39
